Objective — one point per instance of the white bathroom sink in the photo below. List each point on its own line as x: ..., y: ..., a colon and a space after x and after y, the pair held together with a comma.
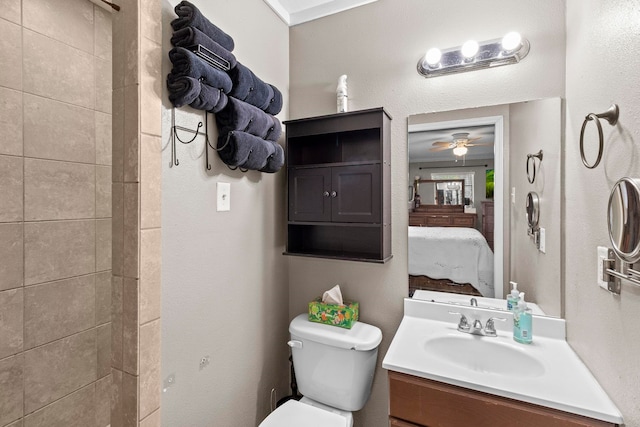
x: 481, y: 354
x: 546, y: 372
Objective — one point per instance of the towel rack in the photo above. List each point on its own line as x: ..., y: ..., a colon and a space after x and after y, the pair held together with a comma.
x: 611, y: 115
x: 174, y: 131
x: 531, y: 176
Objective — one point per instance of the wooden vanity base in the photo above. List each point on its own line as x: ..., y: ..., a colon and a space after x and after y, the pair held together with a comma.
x: 415, y: 402
x: 442, y: 285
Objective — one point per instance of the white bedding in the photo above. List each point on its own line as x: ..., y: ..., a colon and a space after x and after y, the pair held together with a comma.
x: 461, y: 255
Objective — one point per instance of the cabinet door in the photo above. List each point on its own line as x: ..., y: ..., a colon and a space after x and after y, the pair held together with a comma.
x: 355, y: 193
x: 309, y: 194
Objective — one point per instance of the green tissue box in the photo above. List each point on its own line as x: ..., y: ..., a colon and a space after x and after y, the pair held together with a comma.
x: 344, y: 316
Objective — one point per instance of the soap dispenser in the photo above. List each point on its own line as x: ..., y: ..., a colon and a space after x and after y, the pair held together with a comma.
x: 513, y: 297
x: 522, y: 322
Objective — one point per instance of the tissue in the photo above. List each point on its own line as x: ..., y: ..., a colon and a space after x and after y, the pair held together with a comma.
x: 333, y: 296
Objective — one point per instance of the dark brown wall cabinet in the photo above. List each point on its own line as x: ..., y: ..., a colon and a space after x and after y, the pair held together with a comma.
x: 339, y: 182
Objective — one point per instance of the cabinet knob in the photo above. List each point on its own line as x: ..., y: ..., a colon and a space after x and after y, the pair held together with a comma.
x: 325, y: 194
x: 334, y: 194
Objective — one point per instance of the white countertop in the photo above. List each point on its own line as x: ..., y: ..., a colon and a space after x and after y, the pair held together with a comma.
x: 566, y: 383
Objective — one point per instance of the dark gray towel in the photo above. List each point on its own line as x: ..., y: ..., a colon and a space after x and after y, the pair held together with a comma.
x: 251, y: 89
x: 190, y: 91
x: 191, y: 36
x: 241, y: 149
x: 274, y: 161
x: 189, y: 15
x: 240, y: 116
x: 275, y: 103
x: 188, y: 64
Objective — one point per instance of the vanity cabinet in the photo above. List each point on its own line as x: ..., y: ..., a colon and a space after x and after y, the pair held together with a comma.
x: 415, y: 402
x: 339, y: 182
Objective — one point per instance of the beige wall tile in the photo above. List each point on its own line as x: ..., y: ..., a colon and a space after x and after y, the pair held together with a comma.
x: 55, y: 70
x: 58, y: 249
x: 11, y: 11
x: 116, y: 322
x: 131, y: 43
x: 130, y: 329
x: 11, y: 326
x: 150, y: 181
x: 103, y: 401
x: 104, y: 350
x: 130, y: 400
x: 69, y: 21
x: 10, y: 55
x: 11, y: 254
x: 57, y: 130
x: 103, y: 192
x: 16, y: 424
x: 58, y: 190
x: 118, y: 57
x: 116, y: 398
x: 103, y: 138
x: 131, y: 230
x: 11, y: 121
x: 150, y: 351
x: 117, y: 134
x: 150, y: 274
x: 11, y: 185
x: 103, y: 39
x: 103, y: 85
x: 11, y: 378
x: 103, y: 297
x: 58, y: 309
x: 54, y: 370
x: 103, y: 245
x: 151, y: 20
x: 152, y: 420
x: 117, y: 227
x: 151, y: 88
x: 74, y: 410
x: 131, y: 133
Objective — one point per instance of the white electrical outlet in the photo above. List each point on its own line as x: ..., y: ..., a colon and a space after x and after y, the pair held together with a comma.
x: 603, y: 253
x: 542, y: 242
x: 224, y: 196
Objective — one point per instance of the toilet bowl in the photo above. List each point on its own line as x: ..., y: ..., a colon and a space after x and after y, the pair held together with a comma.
x: 334, y: 369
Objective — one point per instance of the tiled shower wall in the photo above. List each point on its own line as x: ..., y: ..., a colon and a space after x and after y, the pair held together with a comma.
x: 55, y: 213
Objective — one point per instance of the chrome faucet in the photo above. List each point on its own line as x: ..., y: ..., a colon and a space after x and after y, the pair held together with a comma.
x: 474, y: 302
x: 489, y: 329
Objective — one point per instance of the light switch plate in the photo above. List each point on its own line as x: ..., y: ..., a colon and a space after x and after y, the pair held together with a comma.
x: 543, y: 241
x: 513, y: 195
x: 224, y: 196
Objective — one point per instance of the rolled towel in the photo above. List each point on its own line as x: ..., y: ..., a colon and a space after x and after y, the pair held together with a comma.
x: 275, y: 161
x: 190, y: 15
x: 188, y: 64
x: 240, y: 116
x: 190, y: 91
x: 250, y: 88
x: 191, y: 36
x: 242, y: 79
x: 275, y: 103
x: 241, y: 149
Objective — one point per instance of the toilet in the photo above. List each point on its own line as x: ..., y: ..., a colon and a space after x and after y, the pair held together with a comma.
x: 334, y: 370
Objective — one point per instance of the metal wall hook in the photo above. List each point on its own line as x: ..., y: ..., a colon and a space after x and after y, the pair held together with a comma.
x: 611, y: 116
x: 174, y: 130
x: 531, y: 177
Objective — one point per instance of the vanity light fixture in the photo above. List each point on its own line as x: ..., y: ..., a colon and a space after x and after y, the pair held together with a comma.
x: 510, y: 49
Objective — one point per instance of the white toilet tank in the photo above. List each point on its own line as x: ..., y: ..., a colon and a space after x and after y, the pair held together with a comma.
x: 333, y: 365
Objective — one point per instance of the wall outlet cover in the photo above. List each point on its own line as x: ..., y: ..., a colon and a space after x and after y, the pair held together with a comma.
x: 542, y: 241
x: 603, y: 253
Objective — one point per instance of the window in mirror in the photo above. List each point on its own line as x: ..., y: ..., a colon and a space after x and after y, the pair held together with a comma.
x: 468, y: 178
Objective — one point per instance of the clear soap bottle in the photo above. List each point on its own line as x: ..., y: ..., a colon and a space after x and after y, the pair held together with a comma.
x: 513, y: 297
x: 522, y: 322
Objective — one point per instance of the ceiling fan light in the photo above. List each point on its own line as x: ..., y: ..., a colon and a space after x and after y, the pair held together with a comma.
x: 460, y: 151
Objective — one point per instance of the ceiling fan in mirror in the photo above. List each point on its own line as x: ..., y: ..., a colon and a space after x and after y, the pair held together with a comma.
x: 459, y: 144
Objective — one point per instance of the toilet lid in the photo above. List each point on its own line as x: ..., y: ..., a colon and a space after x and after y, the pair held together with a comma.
x: 296, y: 414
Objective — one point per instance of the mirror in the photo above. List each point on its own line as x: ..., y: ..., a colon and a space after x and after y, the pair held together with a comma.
x: 440, y: 192
x: 533, y: 211
x: 486, y: 148
x: 623, y: 217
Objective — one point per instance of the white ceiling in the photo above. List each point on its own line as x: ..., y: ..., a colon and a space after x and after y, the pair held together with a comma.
x: 294, y: 12
x: 420, y: 143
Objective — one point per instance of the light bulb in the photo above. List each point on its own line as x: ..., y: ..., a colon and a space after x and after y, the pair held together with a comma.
x: 460, y: 151
x: 511, y: 41
x: 433, y: 56
x: 469, y: 49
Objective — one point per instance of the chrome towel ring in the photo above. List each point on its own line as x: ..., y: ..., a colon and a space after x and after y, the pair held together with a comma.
x: 611, y: 115
x: 531, y: 176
